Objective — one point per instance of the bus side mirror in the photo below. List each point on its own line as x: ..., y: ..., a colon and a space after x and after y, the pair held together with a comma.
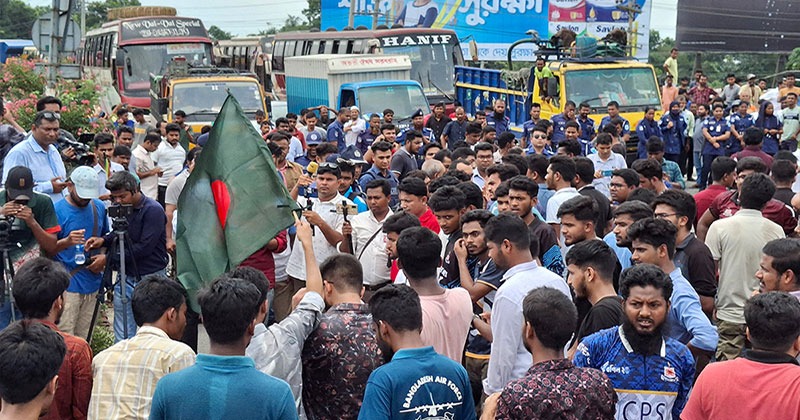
x: 128, y: 66
x: 160, y: 106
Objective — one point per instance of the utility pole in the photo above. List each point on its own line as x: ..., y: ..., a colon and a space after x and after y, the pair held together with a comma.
x: 351, y: 16
x: 52, y: 56
x: 632, y: 9
x: 83, y: 16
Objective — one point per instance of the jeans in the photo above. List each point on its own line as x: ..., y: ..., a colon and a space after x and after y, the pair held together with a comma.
x: 702, y: 181
x: 5, y: 313
x: 123, y: 312
x: 698, y: 164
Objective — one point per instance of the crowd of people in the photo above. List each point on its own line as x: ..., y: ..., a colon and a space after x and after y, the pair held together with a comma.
x: 446, y: 270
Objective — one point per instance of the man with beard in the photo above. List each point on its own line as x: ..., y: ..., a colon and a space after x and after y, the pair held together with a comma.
x: 653, y: 242
x: 418, y: 126
x: 509, y: 247
x: 522, y: 198
x: 455, y: 130
x: 405, y: 385
x: 39, y: 288
x: 498, y: 118
x: 779, y: 269
x: 578, y: 219
x: 614, y: 117
x: 651, y: 373
x: 405, y: 161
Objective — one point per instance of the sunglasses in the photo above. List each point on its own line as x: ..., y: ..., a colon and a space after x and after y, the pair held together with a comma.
x: 49, y: 115
x: 329, y: 165
x: 539, y: 136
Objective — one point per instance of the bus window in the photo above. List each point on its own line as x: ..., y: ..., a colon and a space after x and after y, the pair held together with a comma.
x: 349, y: 47
x: 316, y: 47
x: 332, y: 47
x: 358, y: 46
x: 345, y: 46
x: 277, y: 56
x: 107, y: 51
x: 289, y: 51
x: 307, y: 45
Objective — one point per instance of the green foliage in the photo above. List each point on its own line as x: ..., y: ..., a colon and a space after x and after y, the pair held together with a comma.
x: 16, y: 19
x: 18, y: 79
x: 215, y: 32
x: 97, y: 11
x: 102, y: 336
x: 312, y: 13
x: 793, y: 63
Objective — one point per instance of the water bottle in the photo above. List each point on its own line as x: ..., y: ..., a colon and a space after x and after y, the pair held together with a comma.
x: 80, y: 257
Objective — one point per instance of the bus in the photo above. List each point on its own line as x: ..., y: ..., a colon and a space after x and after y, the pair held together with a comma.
x: 434, y: 53
x: 249, y: 54
x: 123, y: 53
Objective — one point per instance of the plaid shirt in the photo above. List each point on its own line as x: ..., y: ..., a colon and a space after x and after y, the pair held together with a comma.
x: 71, y: 400
x: 127, y: 372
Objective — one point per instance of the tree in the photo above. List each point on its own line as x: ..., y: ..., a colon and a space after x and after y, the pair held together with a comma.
x: 294, y: 23
x: 312, y: 13
x: 16, y: 19
x: 218, y: 34
x: 97, y: 11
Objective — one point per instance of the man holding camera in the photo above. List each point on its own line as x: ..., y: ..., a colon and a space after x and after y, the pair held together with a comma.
x: 39, y: 153
x: 146, y: 250
x: 28, y: 226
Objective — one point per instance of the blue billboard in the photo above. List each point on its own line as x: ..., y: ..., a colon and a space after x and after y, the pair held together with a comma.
x: 495, y: 24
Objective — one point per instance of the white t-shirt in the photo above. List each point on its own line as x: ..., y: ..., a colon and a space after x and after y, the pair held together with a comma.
x: 615, y: 161
x: 556, y: 200
x: 359, y: 126
x: 144, y: 163
x: 170, y: 159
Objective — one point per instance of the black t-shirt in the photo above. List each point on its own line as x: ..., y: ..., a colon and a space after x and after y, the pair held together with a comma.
x: 784, y: 195
x: 603, y: 209
x: 606, y: 313
x: 694, y: 259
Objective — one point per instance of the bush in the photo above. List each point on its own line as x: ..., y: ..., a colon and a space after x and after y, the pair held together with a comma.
x: 19, y: 80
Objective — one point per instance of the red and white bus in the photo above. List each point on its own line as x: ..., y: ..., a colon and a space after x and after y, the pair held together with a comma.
x: 123, y: 53
x: 434, y: 53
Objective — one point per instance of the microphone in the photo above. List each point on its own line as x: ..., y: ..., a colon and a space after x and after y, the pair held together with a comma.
x: 312, y: 168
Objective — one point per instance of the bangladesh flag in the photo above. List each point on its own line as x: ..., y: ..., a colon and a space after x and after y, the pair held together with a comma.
x: 234, y: 202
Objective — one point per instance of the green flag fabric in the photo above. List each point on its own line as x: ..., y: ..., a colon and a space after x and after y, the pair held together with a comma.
x: 234, y: 202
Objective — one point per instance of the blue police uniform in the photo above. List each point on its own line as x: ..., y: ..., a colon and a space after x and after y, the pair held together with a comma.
x: 644, y: 130
x: 674, y: 138
x: 741, y: 123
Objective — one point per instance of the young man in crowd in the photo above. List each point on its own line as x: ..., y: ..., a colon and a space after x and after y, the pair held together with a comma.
x: 509, y: 248
x: 169, y: 156
x: 578, y: 218
x: 543, y: 240
x: 229, y: 307
x: 653, y: 242
x: 605, y: 163
x: 348, y: 187
x: 31, y: 356
x: 779, y: 269
x: 38, y: 287
x: 104, y: 164
x: 625, y: 215
x: 146, y: 169
x: 446, y: 313
x: 560, y: 174
x: 414, y: 201
x: 448, y: 204
x: 392, y: 228
x: 723, y: 176
x: 405, y: 160
x: 550, y: 320
x: 537, y: 172
x: 398, y: 389
x: 126, y: 373
x: 651, y: 175
x: 623, y: 182
x: 613, y: 114
x: 590, y: 266
x: 736, y: 243
x: 584, y: 175
x: 455, y: 130
x: 655, y: 151
x: 381, y: 161
x: 692, y: 256
x: 497, y: 174
x: 484, y: 158
x: 764, y: 380
x: 638, y: 345
x: 342, y: 351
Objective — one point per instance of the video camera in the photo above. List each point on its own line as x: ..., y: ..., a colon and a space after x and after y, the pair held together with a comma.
x: 118, y: 211
x: 83, y: 153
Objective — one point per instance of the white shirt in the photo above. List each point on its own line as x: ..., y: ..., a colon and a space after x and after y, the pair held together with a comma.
x: 359, y: 126
x: 296, y: 267
x: 615, y: 161
x: 295, y: 149
x: 144, y: 163
x: 373, y: 257
x: 477, y: 179
x: 170, y: 159
x: 556, y: 200
x: 509, y: 359
x: 102, y: 176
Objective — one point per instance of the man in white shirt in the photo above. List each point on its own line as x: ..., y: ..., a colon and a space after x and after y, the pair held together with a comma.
x: 354, y: 127
x: 508, y: 240
x: 560, y: 174
x: 146, y: 169
x: 311, y: 126
x: 368, y: 239
x: 605, y: 163
x: 325, y: 221
x: 170, y: 157
x: 104, y: 150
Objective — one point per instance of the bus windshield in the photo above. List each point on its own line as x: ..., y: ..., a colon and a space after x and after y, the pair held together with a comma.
x: 431, y: 66
x: 403, y: 99
x: 199, y: 100
x: 632, y: 88
x: 145, y: 59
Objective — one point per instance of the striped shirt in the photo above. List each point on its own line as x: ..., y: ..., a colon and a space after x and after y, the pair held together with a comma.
x: 125, y: 374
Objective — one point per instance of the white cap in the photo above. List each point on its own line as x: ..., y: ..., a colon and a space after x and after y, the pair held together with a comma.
x: 354, y: 108
x: 85, y: 180
x: 751, y: 76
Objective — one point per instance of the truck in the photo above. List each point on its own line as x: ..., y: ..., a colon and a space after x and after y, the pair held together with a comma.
x: 370, y: 82
x: 595, y: 81
x: 200, y: 93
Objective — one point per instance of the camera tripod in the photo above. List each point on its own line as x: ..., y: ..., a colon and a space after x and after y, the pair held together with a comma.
x: 117, y: 247
x: 8, y: 266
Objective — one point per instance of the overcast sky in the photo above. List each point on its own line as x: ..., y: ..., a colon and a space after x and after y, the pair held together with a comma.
x: 242, y: 17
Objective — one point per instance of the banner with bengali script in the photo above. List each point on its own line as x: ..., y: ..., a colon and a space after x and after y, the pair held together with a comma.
x: 495, y: 24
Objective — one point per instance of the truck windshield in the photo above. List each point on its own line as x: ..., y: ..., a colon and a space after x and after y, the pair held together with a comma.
x: 199, y: 100
x: 632, y: 88
x: 146, y: 59
x: 404, y: 100
x: 431, y: 65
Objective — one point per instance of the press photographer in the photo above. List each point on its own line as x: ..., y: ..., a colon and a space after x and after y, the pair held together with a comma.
x: 145, y: 248
x: 28, y: 228
x: 39, y: 153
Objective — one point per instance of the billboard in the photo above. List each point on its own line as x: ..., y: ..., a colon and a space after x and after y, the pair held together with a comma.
x: 495, y: 24
x: 738, y: 25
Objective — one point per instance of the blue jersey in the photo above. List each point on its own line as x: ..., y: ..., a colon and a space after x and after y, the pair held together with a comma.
x: 740, y: 123
x: 559, y: 125
x: 626, y: 126
x: 674, y: 138
x: 648, y: 387
x: 587, y: 129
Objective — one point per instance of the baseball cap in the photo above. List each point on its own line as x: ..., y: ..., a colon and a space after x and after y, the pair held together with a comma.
x: 85, y: 180
x: 19, y: 183
x: 314, y: 138
x: 352, y: 154
x: 751, y: 76
x: 418, y: 113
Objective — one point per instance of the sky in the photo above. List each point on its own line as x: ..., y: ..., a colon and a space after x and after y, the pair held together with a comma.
x: 243, y: 17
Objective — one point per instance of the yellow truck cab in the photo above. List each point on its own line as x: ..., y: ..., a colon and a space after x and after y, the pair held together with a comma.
x: 200, y: 93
